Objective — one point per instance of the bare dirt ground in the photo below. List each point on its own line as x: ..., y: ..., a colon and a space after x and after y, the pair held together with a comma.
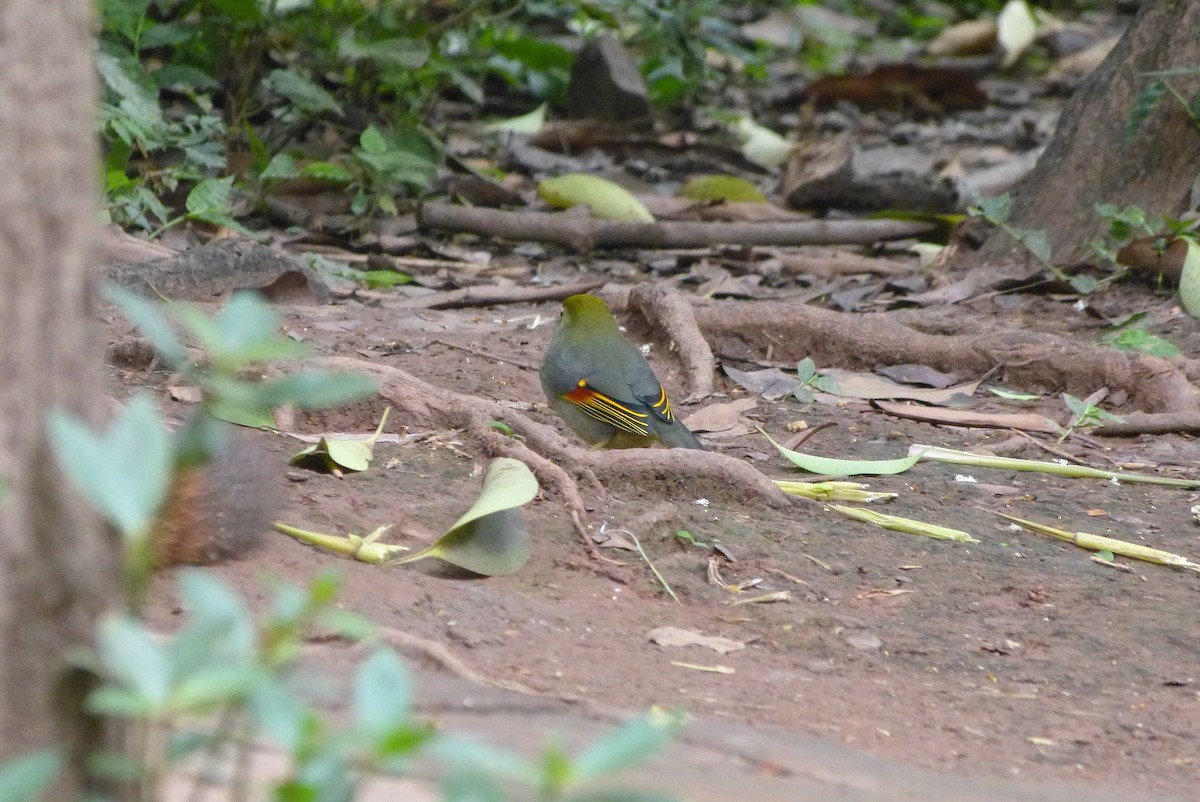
x: 1014, y: 657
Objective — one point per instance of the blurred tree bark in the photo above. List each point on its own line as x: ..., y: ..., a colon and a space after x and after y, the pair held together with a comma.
x: 58, y: 566
x: 1090, y: 160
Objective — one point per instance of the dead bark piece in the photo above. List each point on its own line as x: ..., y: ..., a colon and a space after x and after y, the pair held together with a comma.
x: 861, y: 341
x: 117, y: 247
x: 490, y: 295
x: 676, y: 473
x: 667, y: 311
x: 837, y: 174
x: 585, y: 233
x: 210, y: 271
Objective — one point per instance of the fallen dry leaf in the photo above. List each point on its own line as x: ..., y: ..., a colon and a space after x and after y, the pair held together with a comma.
x: 674, y: 636
x: 1022, y: 421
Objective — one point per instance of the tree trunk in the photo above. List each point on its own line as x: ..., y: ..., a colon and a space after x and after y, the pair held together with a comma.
x: 58, y: 567
x: 1091, y: 161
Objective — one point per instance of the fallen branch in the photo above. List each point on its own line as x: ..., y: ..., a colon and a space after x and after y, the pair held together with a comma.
x: 1136, y: 423
x: 584, y: 233
x: 668, y: 312
x: 491, y: 295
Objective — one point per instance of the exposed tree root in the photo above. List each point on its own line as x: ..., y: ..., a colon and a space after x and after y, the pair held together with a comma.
x: 678, y: 473
x: 792, y: 331
x: 667, y: 311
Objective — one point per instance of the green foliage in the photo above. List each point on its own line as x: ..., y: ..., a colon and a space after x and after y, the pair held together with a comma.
x: 26, y: 778
x: 1085, y: 415
x: 126, y: 471
x: 1132, y: 222
x: 810, y: 380
x: 1163, y: 82
x: 1035, y: 240
x: 224, y: 682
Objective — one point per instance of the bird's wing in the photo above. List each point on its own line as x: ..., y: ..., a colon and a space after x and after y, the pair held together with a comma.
x: 624, y: 415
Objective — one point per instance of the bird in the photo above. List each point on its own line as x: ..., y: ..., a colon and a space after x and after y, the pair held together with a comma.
x: 602, y: 386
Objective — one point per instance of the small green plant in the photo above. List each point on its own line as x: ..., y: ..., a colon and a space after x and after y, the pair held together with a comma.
x: 1127, y: 335
x: 127, y: 470
x: 690, y: 539
x: 810, y: 380
x: 1132, y: 222
x: 1035, y: 240
x: 1085, y: 415
x: 1161, y: 84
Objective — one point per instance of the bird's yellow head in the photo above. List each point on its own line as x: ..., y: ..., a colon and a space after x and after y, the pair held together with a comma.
x: 587, y: 311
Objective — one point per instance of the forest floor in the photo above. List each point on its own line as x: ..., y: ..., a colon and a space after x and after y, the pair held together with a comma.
x: 1016, y: 656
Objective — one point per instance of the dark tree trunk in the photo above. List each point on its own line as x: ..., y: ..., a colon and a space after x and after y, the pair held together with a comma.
x: 58, y: 567
x: 1090, y: 160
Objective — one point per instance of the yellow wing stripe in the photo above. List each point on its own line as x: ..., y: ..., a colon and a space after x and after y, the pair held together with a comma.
x: 663, y: 406
x: 606, y: 410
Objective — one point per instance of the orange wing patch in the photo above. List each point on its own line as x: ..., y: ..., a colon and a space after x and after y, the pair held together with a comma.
x: 614, y: 413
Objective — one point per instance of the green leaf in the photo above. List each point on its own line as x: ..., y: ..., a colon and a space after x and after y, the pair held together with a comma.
x: 490, y: 538
x: 372, y: 141
x: 283, y: 166
x: 760, y: 144
x: 212, y: 687
x: 209, y: 196
x: 1138, y: 339
x: 725, y: 188
x: 315, y: 390
x: 303, y: 93
x: 1012, y: 395
x: 1142, y: 107
x: 220, y: 626
x: 403, y: 52
x: 1084, y: 285
x: 281, y: 715
x: 994, y: 210
x: 844, y: 467
x: 1079, y: 408
x: 147, y: 317
x: 806, y: 369
x: 241, y: 10
x: 1189, y: 279
x: 351, y: 454
x: 1038, y: 243
x: 124, y: 472
x: 135, y: 659
x: 529, y: 123
x: 376, y: 279
x: 137, y: 97
x: 606, y: 200
x: 633, y: 743
x: 382, y: 694
x: 464, y: 783
x: 26, y: 778
x: 326, y: 171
